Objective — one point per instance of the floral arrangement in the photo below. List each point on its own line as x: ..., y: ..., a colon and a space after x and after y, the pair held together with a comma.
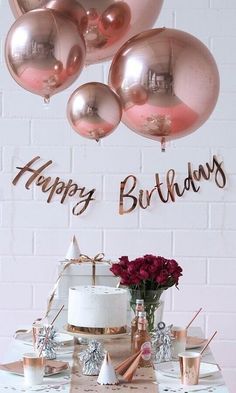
x: 149, y: 272
x: 146, y: 278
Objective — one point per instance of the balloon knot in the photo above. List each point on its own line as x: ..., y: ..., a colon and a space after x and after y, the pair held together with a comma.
x: 163, y: 144
x: 46, y: 99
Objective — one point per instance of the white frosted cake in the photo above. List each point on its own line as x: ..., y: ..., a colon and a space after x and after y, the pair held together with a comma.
x: 97, y: 309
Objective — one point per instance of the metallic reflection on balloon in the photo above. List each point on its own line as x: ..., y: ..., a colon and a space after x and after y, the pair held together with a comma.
x: 110, y: 23
x: 168, y: 83
x: 94, y: 110
x: 44, y: 52
x: 69, y: 8
x: 20, y: 7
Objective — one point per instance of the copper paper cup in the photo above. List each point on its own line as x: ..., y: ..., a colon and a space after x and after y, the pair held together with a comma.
x: 33, y: 369
x: 179, y: 335
x: 189, y: 367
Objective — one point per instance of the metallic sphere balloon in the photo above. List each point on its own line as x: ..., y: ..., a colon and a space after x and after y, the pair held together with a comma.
x: 110, y: 23
x: 168, y: 83
x: 44, y: 52
x: 94, y: 110
x: 20, y: 7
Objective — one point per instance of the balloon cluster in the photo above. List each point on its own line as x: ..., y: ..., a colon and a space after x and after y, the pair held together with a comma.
x: 164, y: 83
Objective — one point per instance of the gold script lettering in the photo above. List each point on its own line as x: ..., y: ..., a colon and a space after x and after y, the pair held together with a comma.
x: 172, y: 187
x: 55, y: 186
x: 124, y: 194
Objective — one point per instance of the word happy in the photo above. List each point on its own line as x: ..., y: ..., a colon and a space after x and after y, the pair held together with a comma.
x: 55, y: 186
x: 171, y: 189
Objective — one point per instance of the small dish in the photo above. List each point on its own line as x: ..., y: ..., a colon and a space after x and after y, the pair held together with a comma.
x: 52, y: 367
x: 64, y: 339
x: 171, y: 369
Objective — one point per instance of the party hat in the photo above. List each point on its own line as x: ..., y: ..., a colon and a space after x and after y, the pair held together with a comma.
x: 128, y: 367
x: 73, y: 251
x: 107, y: 375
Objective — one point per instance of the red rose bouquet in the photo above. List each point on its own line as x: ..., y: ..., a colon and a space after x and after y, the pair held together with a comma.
x: 147, y: 277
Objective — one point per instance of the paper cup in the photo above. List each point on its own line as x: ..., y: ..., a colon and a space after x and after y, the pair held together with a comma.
x: 33, y: 369
x: 189, y: 367
x: 37, y: 328
x: 179, y: 335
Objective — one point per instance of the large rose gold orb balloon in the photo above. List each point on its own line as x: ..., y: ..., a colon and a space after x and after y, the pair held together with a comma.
x: 69, y: 8
x: 44, y: 52
x: 94, y: 110
x: 110, y: 22
x: 168, y: 83
x: 20, y: 7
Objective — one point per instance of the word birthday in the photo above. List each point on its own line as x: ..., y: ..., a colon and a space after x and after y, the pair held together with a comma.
x: 168, y: 191
x: 55, y: 186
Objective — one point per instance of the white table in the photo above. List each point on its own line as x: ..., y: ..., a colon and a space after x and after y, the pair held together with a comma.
x: 10, y: 383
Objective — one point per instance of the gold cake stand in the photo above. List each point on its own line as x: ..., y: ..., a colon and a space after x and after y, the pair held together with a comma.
x: 99, y: 333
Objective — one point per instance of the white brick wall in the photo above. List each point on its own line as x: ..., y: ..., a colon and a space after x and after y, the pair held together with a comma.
x: 198, y: 230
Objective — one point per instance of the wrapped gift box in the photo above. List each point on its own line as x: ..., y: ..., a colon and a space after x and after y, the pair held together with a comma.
x: 82, y: 274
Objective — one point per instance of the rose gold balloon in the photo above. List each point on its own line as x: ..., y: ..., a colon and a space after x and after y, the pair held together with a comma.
x: 115, y: 20
x: 94, y: 110
x: 44, y: 52
x: 69, y: 8
x: 168, y: 83
x: 110, y: 22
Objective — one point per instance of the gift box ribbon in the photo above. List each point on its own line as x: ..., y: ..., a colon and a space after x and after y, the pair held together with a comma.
x: 82, y: 259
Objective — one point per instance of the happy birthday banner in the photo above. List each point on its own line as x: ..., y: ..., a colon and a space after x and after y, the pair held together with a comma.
x: 167, y: 189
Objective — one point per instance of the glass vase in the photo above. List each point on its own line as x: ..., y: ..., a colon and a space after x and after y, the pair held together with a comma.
x: 152, y: 303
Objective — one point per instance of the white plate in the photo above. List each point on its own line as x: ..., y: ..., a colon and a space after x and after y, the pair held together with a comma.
x: 171, y: 369
x: 60, y: 338
x: 64, y: 340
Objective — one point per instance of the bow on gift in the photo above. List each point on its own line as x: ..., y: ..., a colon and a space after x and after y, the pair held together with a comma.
x: 82, y: 259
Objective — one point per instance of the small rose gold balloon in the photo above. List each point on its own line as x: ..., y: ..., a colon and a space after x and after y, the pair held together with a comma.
x: 115, y: 20
x: 168, y: 83
x: 94, y: 110
x: 44, y: 52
